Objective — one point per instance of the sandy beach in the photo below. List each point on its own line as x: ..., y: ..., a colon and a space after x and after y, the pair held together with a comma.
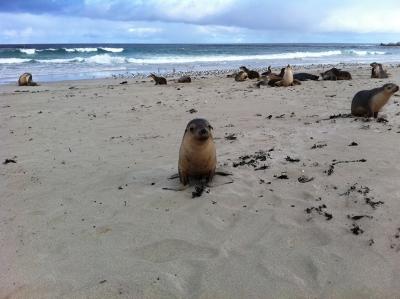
x: 313, y: 210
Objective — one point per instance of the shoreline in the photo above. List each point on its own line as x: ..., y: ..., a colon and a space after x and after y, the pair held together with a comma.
x: 315, y: 68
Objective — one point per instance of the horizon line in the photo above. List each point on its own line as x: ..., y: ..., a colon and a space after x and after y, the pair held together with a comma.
x: 192, y: 43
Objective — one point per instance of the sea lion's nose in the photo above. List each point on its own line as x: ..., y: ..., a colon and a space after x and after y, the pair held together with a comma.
x: 203, y: 132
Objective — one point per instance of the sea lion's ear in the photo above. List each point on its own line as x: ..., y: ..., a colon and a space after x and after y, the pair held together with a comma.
x: 210, y: 127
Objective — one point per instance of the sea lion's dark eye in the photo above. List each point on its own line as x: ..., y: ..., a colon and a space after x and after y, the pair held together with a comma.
x: 191, y: 129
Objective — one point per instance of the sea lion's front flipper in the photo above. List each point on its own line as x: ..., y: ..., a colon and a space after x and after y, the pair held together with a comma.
x: 218, y: 183
x: 296, y: 82
x: 174, y: 176
x: 180, y: 188
x: 223, y: 173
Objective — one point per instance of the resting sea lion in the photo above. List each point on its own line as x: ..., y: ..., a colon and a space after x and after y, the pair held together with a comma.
x: 270, y: 78
x: 343, y: 75
x: 264, y: 81
x: 184, y: 79
x: 335, y: 74
x: 378, y: 71
x: 286, y: 80
x: 241, y: 76
x: 328, y: 76
x: 197, y: 155
x: 367, y: 103
x: 158, y: 80
x: 251, y: 74
x: 305, y: 77
x: 26, y: 80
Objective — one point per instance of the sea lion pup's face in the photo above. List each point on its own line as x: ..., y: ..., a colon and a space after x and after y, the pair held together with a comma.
x: 390, y: 88
x: 199, y: 129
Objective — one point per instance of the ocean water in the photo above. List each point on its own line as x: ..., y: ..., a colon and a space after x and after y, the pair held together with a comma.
x: 85, y: 61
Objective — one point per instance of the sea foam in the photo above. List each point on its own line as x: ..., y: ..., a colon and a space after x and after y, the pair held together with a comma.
x: 28, y: 51
x: 80, y: 49
x: 13, y: 60
x: 113, y: 50
x: 227, y: 58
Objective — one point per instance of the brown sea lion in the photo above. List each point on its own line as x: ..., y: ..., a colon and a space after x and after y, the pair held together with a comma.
x: 328, y: 76
x: 343, y: 75
x: 251, y: 74
x: 273, y: 77
x: 241, y: 76
x: 269, y: 71
x: 197, y: 154
x: 26, y: 80
x: 158, y: 80
x: 281, y: 72
x: 335, y: 74
x: 368, y: 103
x: 286, y: 80
x: 184, y: 79
x: 270, y: 78
x: 378, y: 71
x: 270, y: 74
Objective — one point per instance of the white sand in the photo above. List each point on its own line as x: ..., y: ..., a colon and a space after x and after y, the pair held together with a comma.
x: 83, y: 213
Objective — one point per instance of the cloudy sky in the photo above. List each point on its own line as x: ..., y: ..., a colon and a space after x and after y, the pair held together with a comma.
x: 198, y: 21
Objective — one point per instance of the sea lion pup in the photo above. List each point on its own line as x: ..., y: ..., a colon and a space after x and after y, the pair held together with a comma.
x: 197, y: 155
x: 270, y: 74
x: 286, y: 80
x: 336, y: 74
x: 184, y: 79
x: 241, y: 76
x: 158, y: 80
x: 268, y: 77
x: 368, y: 103
x: 265, y: 74
x: 26, y: 80
x: 378, y: 71
x: 251, y: 74
x: 305, y: 77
